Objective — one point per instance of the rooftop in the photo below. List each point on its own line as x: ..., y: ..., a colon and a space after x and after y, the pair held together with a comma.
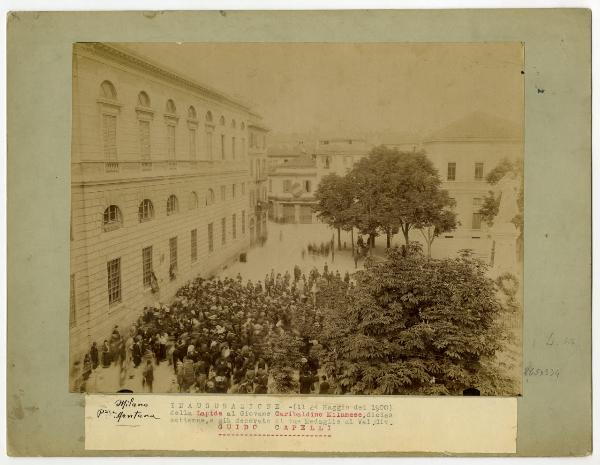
x: 477, y: 126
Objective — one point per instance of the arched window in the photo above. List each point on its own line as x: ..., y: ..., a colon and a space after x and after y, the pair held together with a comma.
x: 243, y: 126
x: 112, y: 218
x: 171, y: 107
x: 146, y: 210
x: 192, y: 113
x: 172, y: 205
x: 208, y: 117
x: 210, y: 197
x: 222, y: 121
x: 233, y: 123
x: 108, y: 91
x: 143, y: 100
x: 193, y: 201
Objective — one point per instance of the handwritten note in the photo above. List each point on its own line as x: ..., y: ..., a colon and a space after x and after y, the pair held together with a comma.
x: 127, y: 412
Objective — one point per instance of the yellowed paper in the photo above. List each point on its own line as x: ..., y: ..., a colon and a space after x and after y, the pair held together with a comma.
x: 301, y: 424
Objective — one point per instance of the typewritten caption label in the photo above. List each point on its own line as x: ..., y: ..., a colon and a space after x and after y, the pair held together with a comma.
x: 301, y: 423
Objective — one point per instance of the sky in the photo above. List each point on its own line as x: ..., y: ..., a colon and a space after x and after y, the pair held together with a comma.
x: 344, y: 89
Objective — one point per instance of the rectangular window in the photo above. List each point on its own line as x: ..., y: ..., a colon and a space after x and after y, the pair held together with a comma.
x: 307, y: 186
x: 222, y: 146
x: 233, y: 226
x: 209, y: 145
x: 145, y: 140
x: 233, y: 191
x: 233, y: 148
x: 171, y: 142
x: 223, y: 231
x: 194, y: 245
x: 109, y: 137
x: 223, y: 192
x: 251, y: 168
x: 192, y: 144
x: 243, y: 147
x: 451, y: 172
x: 114, y: 281
x: 287, y: 184
x: 72, y: 308
x: 478, y: 171
x: 147, y: 266
x: 173, y: 257
x: 270, y: 185
x: 476, y: 214
x: 210, y: 237
x: 243, y: 222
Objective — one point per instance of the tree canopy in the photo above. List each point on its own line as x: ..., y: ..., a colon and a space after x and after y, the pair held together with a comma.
x: 414, y: 325
x: 386, y: 192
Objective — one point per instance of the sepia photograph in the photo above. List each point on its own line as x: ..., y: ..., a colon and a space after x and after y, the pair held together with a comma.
x: 297, y: 218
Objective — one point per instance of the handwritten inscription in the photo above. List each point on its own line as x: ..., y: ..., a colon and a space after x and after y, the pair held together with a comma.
x: 127, y: 409
x: 541, y: 372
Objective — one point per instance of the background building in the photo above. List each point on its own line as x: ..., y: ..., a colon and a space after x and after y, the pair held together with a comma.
x: 257, y: 163
x: 297, y: 170
x: 464, y: 152
x: 161, y: 189
x: 291, y: 190
x: 338, y: 155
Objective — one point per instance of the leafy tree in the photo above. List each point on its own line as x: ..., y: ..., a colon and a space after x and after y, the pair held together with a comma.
x: 284, y: 357
x: 404, y: 192
x: 414, y: 325
x: 334, y: 196
x: 507, y: 168
x: 490, y: 207
x: 491, y: 203
x: 435, y: 218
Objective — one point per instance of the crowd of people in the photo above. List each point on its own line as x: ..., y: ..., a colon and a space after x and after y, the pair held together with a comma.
x: 216, y: 335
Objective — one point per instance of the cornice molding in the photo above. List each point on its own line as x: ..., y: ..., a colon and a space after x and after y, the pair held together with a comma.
x: 125, y: 57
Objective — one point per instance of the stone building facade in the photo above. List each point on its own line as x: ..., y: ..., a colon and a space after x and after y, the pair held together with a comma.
x: 161, y: 189
x: 293, y: 181
x: 257, y: 155
x: 464, y: 152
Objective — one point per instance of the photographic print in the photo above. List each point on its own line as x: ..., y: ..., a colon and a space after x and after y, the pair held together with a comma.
x: 297, y: 218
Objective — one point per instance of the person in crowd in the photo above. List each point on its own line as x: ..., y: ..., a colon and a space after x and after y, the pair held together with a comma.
x: 94, y: 355
x: 219, y: 333
x: 148, y: 377
x: 105, y: 355
x: 137, y: 352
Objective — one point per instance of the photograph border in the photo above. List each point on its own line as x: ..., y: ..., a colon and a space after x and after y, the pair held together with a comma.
x: 554, y: 415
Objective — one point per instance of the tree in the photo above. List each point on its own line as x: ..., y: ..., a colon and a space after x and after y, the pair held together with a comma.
x: 414, y: 325
x: 435, y: 219
x: 503, y: 169
x: 406, y: 191
x: 334, y: 197
x: 491, y: 203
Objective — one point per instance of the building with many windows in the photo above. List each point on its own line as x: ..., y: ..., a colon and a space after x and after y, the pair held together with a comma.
x: 298, y: 169
x: 161, y: 189
x: 464, y: 152
x: 291, y: 190
x: 257, y: 187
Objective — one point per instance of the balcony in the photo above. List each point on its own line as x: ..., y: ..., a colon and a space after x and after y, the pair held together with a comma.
x: 99, y: 171
x: 111, y: 166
